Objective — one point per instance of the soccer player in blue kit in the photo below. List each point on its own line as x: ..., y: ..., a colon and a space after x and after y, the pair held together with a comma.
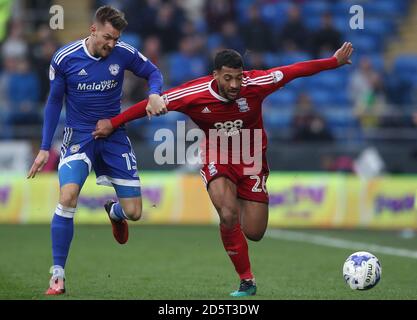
x: 89, y: 73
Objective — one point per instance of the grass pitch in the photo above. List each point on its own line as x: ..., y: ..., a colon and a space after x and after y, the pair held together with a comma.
x: 189, y: 262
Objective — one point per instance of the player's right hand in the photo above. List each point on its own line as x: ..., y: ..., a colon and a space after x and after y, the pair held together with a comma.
x: 38, y: 164
x: 103, y: 129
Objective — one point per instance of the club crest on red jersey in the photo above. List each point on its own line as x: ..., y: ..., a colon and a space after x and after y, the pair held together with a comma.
x: 277, y: 76
x: 242, y: 104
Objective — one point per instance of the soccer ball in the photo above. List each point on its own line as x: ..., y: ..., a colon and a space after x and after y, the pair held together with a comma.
x: 362, y: 270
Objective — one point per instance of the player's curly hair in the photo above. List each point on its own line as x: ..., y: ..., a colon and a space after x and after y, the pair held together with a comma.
x: 228, y: 58
x: 111, y: 15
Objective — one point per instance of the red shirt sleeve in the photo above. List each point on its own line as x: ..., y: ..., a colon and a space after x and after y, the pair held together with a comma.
x: 136, y: 111
x: 280, y: 76
x: 174, y: 102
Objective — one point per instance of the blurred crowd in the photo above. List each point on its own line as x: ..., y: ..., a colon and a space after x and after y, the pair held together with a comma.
x: 182, y: 36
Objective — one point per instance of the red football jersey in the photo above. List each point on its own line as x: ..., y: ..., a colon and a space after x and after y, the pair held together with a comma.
x: 200, y: 100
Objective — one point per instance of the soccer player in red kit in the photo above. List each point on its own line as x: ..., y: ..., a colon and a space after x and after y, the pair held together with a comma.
x: 230, y: 101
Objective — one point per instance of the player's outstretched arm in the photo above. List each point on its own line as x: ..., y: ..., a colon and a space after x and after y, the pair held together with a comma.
x: 40, y: 161
x: 344, y: 53
x: 105, y: 127
x: 311, y: 67
x: 281, y: 75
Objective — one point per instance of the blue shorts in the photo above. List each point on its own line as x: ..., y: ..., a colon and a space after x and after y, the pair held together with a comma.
x: 112, y: 158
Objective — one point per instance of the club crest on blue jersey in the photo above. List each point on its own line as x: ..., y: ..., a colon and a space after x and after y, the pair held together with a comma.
x: 114, y: 69
x: 74, y: 148
x: 242, y: 104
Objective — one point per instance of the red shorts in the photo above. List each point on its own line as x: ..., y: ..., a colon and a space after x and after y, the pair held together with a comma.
x: 249, y: 187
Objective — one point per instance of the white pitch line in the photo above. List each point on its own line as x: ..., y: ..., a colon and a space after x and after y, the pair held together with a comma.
x: 339, y: 243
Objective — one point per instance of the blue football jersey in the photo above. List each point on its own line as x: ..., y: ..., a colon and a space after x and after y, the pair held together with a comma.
x: 92, y: 85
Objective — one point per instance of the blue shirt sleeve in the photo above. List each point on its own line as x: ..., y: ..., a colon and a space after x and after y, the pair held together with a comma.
x: 53, y: 105
x: 143, y: 68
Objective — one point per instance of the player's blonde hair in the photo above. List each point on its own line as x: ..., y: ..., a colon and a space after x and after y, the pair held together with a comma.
x: 111, y: 15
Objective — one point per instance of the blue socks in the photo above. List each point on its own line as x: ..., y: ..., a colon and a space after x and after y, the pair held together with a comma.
x: 62, y: 231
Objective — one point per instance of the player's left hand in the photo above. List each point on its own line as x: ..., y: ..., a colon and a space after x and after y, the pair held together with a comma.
x: 343, y: 54
x: 156, y: 106
x: 103, y: 129
x: 38, y: 164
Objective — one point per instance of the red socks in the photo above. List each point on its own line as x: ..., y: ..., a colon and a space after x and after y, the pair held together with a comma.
x: 236, y: 246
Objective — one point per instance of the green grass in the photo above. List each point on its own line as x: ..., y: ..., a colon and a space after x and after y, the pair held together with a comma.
x: 188, y: 262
